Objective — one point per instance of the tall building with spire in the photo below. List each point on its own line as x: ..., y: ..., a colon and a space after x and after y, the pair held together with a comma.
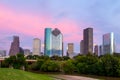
x: 15, y: 48
x: 88, y: 40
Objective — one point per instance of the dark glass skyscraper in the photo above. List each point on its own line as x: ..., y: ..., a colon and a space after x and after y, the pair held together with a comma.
x: 47, y: 42
x: 88, y: 40
x: 96, y: 50
x: 14, y: 49
x: 82, y: 47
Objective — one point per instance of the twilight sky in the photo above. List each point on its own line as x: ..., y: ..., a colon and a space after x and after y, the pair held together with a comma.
x: 28, y: 18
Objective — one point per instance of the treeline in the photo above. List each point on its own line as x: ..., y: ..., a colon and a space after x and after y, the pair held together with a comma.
x: 107, y: 65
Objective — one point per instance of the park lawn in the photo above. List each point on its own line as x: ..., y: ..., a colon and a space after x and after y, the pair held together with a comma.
x: 14, y: 74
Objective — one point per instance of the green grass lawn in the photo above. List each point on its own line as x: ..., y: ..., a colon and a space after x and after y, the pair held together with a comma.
x: 13, y: 74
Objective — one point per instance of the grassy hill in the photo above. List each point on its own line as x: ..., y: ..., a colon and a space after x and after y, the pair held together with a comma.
x: 13, y: 74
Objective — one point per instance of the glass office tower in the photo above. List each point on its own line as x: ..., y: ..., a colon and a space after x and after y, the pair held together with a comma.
x: 47, y: 47
x: 57, y: 42
x: 108, y: 43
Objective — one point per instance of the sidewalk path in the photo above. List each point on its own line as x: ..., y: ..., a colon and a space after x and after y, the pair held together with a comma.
x: 70, y: 77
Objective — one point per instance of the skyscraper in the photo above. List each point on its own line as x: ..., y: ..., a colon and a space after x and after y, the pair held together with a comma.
x: 88, y: 40
x: 108, y: 43
x: 57, y: 42
x: 14, y: 49
x: 48, y: 42
x: 2, y: 53
x: 100, y: 50
x: 36, y: 46
x: 26, y: 52
x: 82, y: 47
x: 96, y: 50
x: 70, y: 48
x: 53, y: 42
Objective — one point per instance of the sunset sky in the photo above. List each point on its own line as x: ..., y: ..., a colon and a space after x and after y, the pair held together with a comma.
x: 28, y: 18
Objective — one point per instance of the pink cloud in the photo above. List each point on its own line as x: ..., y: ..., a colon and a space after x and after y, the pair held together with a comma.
x: 34, y: 25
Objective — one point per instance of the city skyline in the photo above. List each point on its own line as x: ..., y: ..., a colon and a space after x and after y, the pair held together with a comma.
x: 28, y: 19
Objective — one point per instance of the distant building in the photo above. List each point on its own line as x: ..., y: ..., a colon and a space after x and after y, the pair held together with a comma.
x: 53, y: 42
x: 88, y: 40
x: 2, y: 53
x: 96, y: 50
x: 108, y: 43
x: 100, y: 50
x: 70, y: 50
x: 48, y: 42
x: 57, y: 42
x: 21, y: 50
x: 36, y: 46
x: 14, y: 49
x: 82, y: 47
x: 27, y: 52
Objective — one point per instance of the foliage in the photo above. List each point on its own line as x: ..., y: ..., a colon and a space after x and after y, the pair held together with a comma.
x: 50, y: 66
x: 16, y: 61
x: 65, y: 57
x: 56, y: 58
x: 37, y: 65
x: 68, y: 67
x: 110, y: 65
x: 105, y: 65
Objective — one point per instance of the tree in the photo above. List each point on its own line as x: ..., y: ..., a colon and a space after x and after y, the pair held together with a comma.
x: 55, y: 57
x: 50, y: 66
x: 68, y: 67
x: 110, y: 65
x: 65, y: 57
x: 16, y: 62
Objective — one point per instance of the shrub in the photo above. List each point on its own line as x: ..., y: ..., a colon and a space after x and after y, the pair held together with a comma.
x: 50, y: 66
x: 68, y: 67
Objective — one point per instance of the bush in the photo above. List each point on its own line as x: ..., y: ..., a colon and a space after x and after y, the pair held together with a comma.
x: 110, y: 65
x: 81, y: 67
x: 16, y: 61
x: 68, y: 67
x: 50, y: 66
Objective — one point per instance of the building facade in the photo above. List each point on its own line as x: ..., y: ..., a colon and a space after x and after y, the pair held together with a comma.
x: 15, y: 48
x: 88, y: 40
x: 70, y: 48
x: 96, y: 50
x: 82, y: 47
x: 53, y: 42
x: 3, y: 53
x: 57, y: 42
x: 36, y: 46
x: 100, y: 50
x: 48, y: 42
x: 27, y: 52
x: 108, y: 43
